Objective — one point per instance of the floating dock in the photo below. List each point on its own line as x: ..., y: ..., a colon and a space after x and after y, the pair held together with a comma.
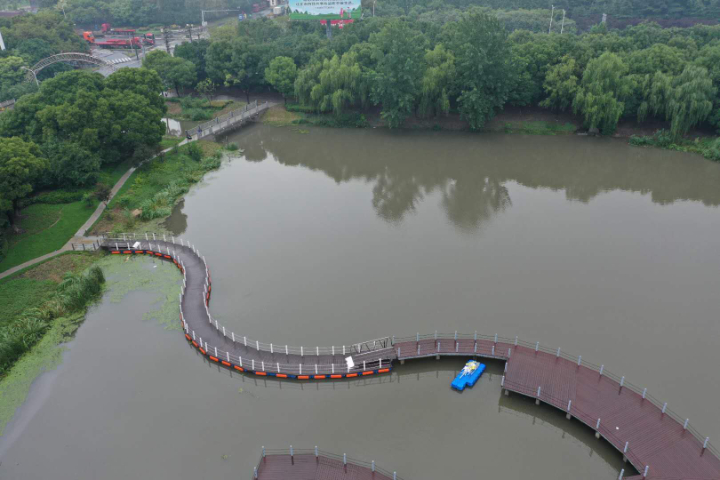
x: 468, y: 376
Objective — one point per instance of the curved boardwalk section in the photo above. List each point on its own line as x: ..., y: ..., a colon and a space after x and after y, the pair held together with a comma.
x: 316, y: 465
x: 656, y: 441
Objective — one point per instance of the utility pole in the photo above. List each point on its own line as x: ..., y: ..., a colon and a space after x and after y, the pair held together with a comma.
x: 562, y: 26
x: 552, y: 12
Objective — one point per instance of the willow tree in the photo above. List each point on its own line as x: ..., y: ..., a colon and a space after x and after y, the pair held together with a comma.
x: 437, y: 82
x: 604, y: 87
x: 690, y: 100
x: 333, y: 85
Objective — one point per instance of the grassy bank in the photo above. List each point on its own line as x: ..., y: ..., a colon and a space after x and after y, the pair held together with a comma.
x: 707, y: 147
x: 30, y: 302
x: 39, y: 283
x: 199, y: 108
x: 50, y: 219
x: 150, y: 193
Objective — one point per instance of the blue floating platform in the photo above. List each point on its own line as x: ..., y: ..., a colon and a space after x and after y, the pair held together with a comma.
x: 468, y: 376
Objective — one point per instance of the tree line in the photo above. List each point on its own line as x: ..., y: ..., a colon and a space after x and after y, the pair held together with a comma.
x: 76, y: 123
x: 165, y: 12
x: 473, y: 66
x: 29, y: 39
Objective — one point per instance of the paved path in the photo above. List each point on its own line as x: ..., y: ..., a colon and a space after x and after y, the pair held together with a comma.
x: 214, y: 127
x: 79, y: 236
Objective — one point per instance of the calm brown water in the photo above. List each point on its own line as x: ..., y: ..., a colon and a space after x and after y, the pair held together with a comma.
x: 337, y: 236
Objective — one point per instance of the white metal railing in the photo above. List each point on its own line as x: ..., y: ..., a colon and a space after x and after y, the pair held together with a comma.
x: 125, y: 241
x: 620, y: 380
x: 212, y: 126
x: 317, y: 453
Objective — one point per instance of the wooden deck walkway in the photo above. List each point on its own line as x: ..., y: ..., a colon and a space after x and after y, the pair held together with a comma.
x: 657, y: 442
x: 306, y: 465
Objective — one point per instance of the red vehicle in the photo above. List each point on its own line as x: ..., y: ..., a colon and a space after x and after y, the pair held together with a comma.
x: 106, y: 37
x: 128, y: 42
x: 260, y: 6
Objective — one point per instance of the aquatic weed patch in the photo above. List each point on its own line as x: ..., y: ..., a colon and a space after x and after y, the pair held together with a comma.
x: 128, y: 274
x: 124, y: 275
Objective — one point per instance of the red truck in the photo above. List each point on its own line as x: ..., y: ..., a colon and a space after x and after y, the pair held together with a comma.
x: 129, y: 42
x: 257, y: 7
x: 118, y: 38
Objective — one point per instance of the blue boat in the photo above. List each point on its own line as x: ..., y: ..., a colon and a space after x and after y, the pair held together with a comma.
x: 468, y: 376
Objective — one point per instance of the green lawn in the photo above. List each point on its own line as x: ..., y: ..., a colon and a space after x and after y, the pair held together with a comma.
x: 49, y: 226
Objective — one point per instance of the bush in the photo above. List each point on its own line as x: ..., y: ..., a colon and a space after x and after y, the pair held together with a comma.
x: 124, y: 202
x: 198, y: 114
x: 89, y: 199
x: 194, y: 151
x: 713, y: 150
x: 296, y: 107
x: 661, y: 138
x: 55, y: 197
x: 231, y: 147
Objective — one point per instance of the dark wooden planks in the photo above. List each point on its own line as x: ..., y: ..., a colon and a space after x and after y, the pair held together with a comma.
x: 308, y: 467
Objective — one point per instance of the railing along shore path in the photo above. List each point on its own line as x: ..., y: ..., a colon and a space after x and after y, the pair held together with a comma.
x: 659, y: 443
x: 226, y: 122
x: 317, y: 465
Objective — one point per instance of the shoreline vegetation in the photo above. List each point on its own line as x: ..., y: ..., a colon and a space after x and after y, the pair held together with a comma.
x: 526, y: 121
x: 76, y: 280
x: 42, y: 307
x: 34, y: 300
x: 151, y: 192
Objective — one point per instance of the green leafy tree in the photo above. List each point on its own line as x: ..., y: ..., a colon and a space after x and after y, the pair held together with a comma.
x: 600, y: 98
x: 206, y: 87
x: 438, y: 82
x: 561, y: 84
x: 690, y: 100
x: 485, y: 73
x: 333, y: 84
x: 69, y: 164
x: 399, y: 71
x: 11, y: 71
x: 175, y: 72
x: 21, y: 164
x: 195, y: 52
x: 281, y: 74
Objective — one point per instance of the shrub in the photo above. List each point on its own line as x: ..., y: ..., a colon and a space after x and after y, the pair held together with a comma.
x: 232, y: 147
x: 194, y: 151
x: 198, y: 114
x: 713, y: 150
x: 89, y: 200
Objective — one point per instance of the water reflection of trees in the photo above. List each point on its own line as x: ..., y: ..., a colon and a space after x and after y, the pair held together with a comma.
x: 470, y: 171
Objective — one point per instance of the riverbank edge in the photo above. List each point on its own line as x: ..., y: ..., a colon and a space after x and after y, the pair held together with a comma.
x: 512, y: 121
x: 110, y: 222
x: 47, y: 354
